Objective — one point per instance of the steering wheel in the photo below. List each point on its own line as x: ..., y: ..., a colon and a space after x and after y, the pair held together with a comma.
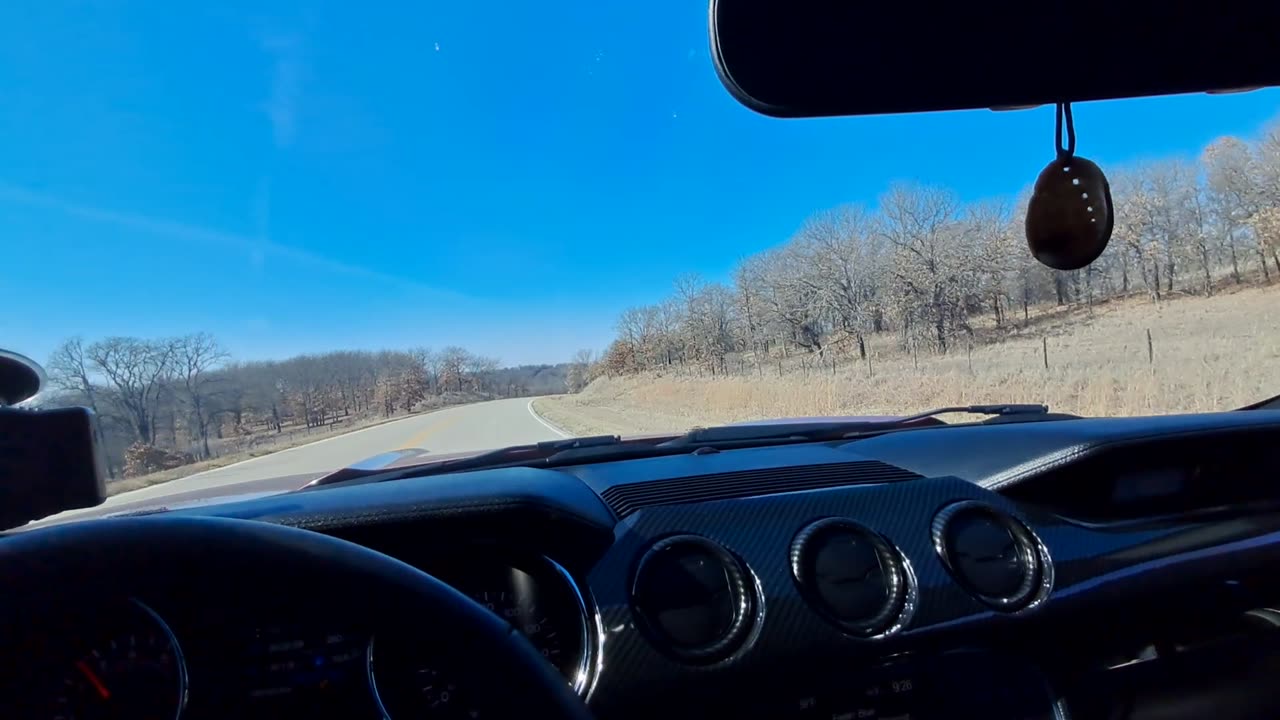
x: 86, y: 561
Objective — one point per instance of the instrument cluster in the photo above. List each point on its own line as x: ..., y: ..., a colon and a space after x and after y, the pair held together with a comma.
x: 162, y: 659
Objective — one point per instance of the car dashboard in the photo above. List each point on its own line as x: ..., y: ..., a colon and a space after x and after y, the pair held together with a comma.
x: 1066, y: 568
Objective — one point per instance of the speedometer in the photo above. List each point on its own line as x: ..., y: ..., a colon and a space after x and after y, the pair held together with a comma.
x: 525, y: 614
x: 542, y: 600
x: 409, y: 684
x: 413, y: 678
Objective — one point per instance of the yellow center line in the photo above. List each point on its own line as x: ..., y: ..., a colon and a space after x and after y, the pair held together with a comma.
x: 417, y: 440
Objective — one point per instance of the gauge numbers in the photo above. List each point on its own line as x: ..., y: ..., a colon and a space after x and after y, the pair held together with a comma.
x: 524, y: 614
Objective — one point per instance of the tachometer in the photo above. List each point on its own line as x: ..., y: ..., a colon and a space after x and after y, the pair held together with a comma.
x: 132, y: 670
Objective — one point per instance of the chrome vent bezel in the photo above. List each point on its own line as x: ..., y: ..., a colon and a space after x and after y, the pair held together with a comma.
x: 1039, y: 581
x: 747, y: 603
x: 903, y: 591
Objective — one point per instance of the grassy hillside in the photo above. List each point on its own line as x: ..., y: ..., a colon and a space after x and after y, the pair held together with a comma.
x: 1205, y: 354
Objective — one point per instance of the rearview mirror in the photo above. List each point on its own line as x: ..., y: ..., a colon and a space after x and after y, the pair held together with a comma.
x: 821, y: 58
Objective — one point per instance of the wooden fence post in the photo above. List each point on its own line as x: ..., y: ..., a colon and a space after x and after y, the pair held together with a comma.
x: 1044, y: 344
x: 1151, y: 354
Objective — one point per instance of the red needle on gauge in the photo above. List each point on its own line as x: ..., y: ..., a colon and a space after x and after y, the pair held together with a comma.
x: 83, y: 667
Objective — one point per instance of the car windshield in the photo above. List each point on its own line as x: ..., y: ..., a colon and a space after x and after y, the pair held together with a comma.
x: 266, y: 242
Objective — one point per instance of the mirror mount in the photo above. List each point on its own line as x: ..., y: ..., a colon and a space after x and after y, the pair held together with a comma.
x: 50, y: 460
x: 21, y: 378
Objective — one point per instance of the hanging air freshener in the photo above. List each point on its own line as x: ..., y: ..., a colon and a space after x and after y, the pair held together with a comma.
x: 1070, y: 216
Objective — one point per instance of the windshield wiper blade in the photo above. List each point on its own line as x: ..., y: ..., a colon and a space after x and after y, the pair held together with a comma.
x: 521, y: 453
x: 1005, y: 409
x: 1000, y: 414
x: 501, y: 457
x: 727, y: 436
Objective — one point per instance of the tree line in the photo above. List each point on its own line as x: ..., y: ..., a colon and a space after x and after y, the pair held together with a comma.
x: 923, y: 266
x: 189, y: 395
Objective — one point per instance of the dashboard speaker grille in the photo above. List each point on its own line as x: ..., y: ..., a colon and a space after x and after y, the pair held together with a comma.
x: 630, y: 497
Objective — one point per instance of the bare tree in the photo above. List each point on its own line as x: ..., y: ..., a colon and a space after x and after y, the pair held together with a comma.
x: 750, y: 313
x: 580, y: 370
x: 453, y: 367
x: 1199, y: 243
x: 479, y: 369
x: 136, y: 371
x: 427, y: 361
x: 1266, y: 225
x: 69, y: 368
x: 848, y: 267
x: 1233, y: 193
x: 1137, y: 210
x: 921, y: 223
x: 194, y: 357
x: 791, y: 299
x: 705, y: 326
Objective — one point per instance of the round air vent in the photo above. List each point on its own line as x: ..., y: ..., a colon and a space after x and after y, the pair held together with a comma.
x: 992, y: 555
x: 854, y: 577
x: 694, y: 597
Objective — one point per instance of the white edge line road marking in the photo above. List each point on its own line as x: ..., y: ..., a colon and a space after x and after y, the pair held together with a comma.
x: 545, y: 424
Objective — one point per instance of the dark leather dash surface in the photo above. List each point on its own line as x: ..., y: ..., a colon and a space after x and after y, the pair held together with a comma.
x: 628, y: 498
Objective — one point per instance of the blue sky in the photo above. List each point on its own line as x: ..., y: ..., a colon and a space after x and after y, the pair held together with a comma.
x: 297, y: 178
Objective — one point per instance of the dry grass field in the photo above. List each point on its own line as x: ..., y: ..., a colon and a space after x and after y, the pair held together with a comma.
x: 1207, y: 354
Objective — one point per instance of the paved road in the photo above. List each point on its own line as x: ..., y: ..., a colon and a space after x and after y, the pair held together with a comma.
x: 458, y: 429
